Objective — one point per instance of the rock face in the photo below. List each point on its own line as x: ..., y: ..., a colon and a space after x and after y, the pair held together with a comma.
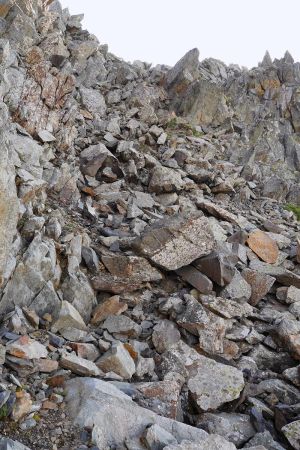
x: 149, y: 244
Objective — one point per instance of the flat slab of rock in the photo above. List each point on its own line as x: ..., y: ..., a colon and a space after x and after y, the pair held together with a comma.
x: 210, y: 384
x: 9, y: 444
x: 217, y: 211
x: 175, y: 242
x: 27, y: 348
x: 212, y: 442
x: 115, y: 417
x: 264, y: 246
x: 196, y: 279
x: 79, y: 365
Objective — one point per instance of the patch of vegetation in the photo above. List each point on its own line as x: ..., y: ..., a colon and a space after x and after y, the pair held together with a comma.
x: 295, y: 209
x: 3, y: 412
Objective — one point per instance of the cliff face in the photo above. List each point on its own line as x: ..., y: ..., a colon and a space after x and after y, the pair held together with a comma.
x: 148, y: 263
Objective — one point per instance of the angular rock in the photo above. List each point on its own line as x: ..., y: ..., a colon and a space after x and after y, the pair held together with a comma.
x: 111, y: 306
x: 264, y: 246
x: 176, y: 242
x: 122, y: 325
x: 282, y: 275
x: 27, y: 348
x: 165, y: 335
x: 212, y: 442
x: 164, y: 179
x: 238, y: 289
x: 236, y: 428
x: 9, y: 444
x: 117, y: 360
x: 68, y: 317
x: 216, y: 266
x: 196, y: 279
x: 226, y: 308
x: 80, y: 366
x: 115, y: 415
x: 292, y: 433
x: 260, y: 284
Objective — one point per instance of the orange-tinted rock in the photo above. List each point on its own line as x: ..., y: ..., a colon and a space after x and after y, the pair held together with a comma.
x: 56, y: 380
x: 22, y: 407
x: 46, y: 365
x: 112, y: 306
x: 263, y: 246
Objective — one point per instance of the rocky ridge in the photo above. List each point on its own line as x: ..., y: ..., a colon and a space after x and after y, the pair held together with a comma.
x: 149, y: 271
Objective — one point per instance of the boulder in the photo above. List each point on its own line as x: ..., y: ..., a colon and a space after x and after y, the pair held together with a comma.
x: 175, y: 242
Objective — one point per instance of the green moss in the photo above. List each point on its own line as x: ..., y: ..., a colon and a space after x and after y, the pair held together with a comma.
x: 295, y: 209
x: 3, y: 412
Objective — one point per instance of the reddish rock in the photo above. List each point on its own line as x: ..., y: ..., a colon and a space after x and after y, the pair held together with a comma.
x: 46, y: 365
x: 263, y: 246
x: 22, y: 407
x: 260, y: 284
x: 86, y: 351
x: 27, y: 348
x: 196, y: 279
x: 111, y: 306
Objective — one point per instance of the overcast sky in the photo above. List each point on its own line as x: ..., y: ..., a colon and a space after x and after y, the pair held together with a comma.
x: 161, y: 31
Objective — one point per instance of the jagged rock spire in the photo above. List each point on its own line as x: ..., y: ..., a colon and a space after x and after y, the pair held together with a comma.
x: 288, y: 58
x: 267, y: 60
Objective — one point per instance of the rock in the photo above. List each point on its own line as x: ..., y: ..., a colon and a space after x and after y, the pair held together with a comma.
x: 176, y: 242
x: 115, y: 415
x: 216, y: 266
x: 117, y: 360
x: 263, y: 439
x: 165, y: 335
x: 264, y: 246
x: 122, y: 325
x: 95, y: 157
x: 138, y: 269
x: 269, y: 360
x: 93, y: 101
x: 238, y: 289
x: 68, y: 317
x: 162, y: 397
x: 46, y: 136
x: 22, y: 407
x: 156, y: 438
x: 210, y: 384
x: 212, y: 442
x: 90, y: 258
x: 86, y: 351
x: 196, y: 279
x: 289, y: 294
x: 27, y: 348
x: 9, y: 203
x: 292, y: 433
x: 217, y: 211
x: 9, y: 444
x: 111, y: 306
x: 80, y: 366
x: 225, y: 307
x: 260, y: 284
x: 236, y: 428
x: 77, y: 290
x: 282, y: 275
x: 164, y: 179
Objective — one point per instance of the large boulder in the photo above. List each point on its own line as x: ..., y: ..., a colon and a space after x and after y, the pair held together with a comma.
x: 176, y: 241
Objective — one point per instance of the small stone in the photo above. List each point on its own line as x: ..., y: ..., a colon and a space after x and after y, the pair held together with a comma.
x: 46, y: 136
x: 196, y: 279
x: 117, y: 360
x: 264, y: 246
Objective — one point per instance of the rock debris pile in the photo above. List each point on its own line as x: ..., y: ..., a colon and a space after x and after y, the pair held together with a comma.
x: 149, y: 265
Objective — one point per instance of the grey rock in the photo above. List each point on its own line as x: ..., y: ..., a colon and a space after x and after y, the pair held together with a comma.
x: 157, y: 438
x: 238, y: 289
x: 122, y: 325
x: 9, y: 444
x: 117, y: 360
x: 264, y: 439
x: 196, y: 279
x: 165, y: 335
x: 292, y: 433
x: 176, y: 242
x: 236, y: 428
x: 115, y: 415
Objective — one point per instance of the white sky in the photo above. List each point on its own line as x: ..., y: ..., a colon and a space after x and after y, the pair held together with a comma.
x: 162, y: 31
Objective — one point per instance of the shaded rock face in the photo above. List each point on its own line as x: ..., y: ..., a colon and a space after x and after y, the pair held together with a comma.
x: 148, y: 263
